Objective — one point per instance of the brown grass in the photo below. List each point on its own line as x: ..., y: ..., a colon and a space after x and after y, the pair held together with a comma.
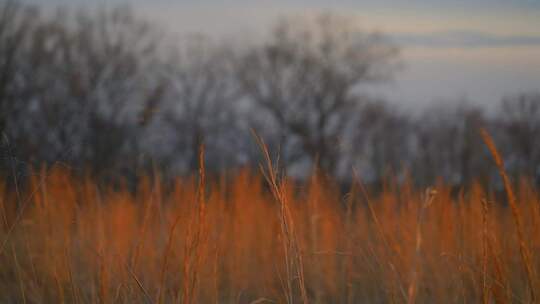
x: 516, y: 213
x: 234, y: 240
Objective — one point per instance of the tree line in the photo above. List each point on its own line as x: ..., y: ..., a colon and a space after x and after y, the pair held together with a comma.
x: 103, y: 90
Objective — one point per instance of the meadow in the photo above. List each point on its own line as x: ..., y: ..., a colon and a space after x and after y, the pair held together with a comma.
x: 259, y: 237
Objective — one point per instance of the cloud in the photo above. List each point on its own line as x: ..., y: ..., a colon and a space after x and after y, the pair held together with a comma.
x: 464, y: 39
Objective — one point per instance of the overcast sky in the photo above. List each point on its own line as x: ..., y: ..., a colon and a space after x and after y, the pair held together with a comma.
x: 452, y: 49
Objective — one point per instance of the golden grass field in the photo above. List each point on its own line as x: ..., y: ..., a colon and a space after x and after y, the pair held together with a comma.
x: 253, y: 238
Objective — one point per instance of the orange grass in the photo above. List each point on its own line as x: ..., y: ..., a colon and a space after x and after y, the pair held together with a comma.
x: 233, y: 240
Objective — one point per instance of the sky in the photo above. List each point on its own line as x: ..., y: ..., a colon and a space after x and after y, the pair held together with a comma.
x: 478, y: 50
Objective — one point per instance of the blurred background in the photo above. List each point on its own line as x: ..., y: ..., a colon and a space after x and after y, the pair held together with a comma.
x: 387, y: 88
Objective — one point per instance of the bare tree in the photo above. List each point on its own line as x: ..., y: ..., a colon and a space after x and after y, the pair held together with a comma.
x: 22, y: 28
x: 448, y: 145
x: 118, y: 54
x: 17, y: 22
x: 201, y: 104
x: 307, y: 78
x: 95, y: 88
x: 80, y: 81
x: 520, y: 121
x: 383, y: 138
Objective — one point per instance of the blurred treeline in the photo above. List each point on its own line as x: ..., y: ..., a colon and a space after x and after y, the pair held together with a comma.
x: 105, y: 91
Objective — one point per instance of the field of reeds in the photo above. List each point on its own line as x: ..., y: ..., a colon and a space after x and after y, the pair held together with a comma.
x: 253, y: 237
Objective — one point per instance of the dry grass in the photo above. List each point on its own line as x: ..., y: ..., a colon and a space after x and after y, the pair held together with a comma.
x: 516, y: 213
x: 233, y: 240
